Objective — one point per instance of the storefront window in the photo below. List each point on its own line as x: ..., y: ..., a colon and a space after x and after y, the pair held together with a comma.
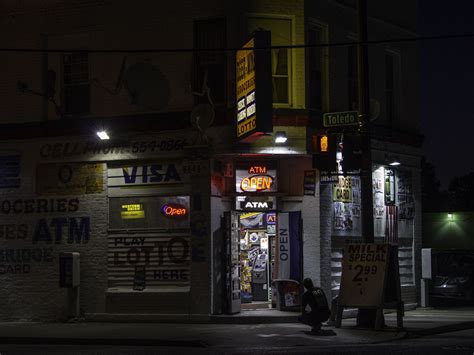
x: 149, y: 244
x: 149, y: 212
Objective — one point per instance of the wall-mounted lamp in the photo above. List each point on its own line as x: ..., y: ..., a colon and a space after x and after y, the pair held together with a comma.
x: 280, y: 137
x: 103, y: 135
x: 392, y: 160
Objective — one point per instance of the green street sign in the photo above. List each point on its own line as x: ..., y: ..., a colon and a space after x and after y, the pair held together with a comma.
x: 336, y: 119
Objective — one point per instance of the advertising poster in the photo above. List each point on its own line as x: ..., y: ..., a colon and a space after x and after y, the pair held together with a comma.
x: 405, y: 197
x: 346, y: 205
x: 378, y: 193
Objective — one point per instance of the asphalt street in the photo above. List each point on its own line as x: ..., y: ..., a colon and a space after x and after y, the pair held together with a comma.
x: 433, y: 331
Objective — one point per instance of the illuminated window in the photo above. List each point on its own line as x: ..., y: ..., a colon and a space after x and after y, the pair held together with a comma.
x: 281, y: 57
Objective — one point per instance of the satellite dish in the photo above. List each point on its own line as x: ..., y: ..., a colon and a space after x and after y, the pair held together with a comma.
x: 374, y: 109
x: 147, y: 86
x: 202, y: 116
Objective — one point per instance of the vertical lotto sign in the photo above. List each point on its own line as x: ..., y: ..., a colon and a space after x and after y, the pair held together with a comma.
x: 363, y: 275
x: 253, y: 80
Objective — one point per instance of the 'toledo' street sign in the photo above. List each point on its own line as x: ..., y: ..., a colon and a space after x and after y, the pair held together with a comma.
x: 336, y: 119
x: 363, y: 274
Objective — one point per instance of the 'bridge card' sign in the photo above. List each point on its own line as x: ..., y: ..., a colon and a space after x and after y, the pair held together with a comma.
x: 364, y: 269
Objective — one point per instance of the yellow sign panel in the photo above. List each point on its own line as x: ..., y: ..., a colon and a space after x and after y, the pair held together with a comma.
x: 133, y: 211
x: 245, y: 88
x: 363, y: 274
x: 69, y: 178
x: 342, y: 191
x: 246, y: 126
x: 245, y: 60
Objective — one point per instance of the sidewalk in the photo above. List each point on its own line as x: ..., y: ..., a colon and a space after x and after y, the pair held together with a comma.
x: 418, y: 322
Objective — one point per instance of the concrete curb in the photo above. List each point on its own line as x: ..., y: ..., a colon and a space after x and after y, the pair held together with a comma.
x: 103, y: 341
x: 440, y: 330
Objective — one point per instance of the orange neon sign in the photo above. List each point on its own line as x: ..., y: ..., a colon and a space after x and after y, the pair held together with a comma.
x: 256, y: 183
x: 257, y: 170
x: 174, y: 210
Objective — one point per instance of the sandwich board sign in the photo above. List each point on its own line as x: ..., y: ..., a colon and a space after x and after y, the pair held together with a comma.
x: 370, y: 278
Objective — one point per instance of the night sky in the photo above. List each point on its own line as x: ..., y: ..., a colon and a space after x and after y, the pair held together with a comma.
x: 447, y: 87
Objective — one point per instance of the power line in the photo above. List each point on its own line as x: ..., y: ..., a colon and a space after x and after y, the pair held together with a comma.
x: 190, y: 50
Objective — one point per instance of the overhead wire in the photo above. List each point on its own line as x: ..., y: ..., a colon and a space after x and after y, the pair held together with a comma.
x: 234, y: 49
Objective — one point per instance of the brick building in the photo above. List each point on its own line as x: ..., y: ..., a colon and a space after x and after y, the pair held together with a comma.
x: 157, y: 210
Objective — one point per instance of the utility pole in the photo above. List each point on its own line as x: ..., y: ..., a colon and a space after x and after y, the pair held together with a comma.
x: 365, y: 317
x: 364, y: 123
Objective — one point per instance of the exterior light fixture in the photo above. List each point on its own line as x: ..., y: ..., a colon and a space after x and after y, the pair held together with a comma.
x: 280, y: 137
x: 450, y: 216
x: 392, y: 160
x: 103, y: 135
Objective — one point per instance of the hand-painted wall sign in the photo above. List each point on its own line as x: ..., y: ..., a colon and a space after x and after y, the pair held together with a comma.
x: 9, y: 171
x: 152, y: 174
x: 69, y: 178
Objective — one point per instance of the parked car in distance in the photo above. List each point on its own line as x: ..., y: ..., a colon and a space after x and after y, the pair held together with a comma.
x: 453, y: 276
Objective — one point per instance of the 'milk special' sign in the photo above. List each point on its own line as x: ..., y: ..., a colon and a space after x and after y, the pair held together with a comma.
x: 253, y: 80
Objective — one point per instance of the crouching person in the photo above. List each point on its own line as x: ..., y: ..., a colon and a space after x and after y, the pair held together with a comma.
x: 315, y: 298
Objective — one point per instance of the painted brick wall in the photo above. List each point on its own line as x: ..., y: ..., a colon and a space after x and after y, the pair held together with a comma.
x: 33, y: 233
x: 36, y: 294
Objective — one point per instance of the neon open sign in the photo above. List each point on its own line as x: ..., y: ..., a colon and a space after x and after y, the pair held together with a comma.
x: 174, y: 210
x: 256, y: 183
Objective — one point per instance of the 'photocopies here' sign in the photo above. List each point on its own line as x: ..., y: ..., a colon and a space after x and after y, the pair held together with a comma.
x: 363, y: 274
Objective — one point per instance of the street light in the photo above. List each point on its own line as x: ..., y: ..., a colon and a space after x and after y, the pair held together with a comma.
x: 103, y: 135
x: 280, y: 137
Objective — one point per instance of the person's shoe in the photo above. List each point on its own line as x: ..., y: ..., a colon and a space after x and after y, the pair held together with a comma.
x: 330, y: 323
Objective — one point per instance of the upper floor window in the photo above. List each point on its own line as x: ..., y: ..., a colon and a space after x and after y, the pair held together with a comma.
x: 76, y: 84
x: 281, y: 35
x: 392, y: 76
x: 210, y: 67
x: 352, y: 93
x: 317, y: 59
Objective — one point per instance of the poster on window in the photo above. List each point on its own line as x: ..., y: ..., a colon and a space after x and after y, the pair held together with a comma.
x: 406, y: 203
x: 343, y: 217
x: 346, y: 206
x: 378, y: 193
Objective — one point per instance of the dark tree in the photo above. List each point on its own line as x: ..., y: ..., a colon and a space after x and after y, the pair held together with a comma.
x: 461, y: 193
x: 432, y: 199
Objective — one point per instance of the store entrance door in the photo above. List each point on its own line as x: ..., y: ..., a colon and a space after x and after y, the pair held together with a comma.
x: 232, y: 262
x: 257, y: 256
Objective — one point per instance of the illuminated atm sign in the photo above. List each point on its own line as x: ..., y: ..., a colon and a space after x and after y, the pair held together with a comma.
x: 253, y: 90
x: 256, y: 178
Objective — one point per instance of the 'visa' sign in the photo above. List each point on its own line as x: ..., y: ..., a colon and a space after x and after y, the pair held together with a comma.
x: 145, y: 175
